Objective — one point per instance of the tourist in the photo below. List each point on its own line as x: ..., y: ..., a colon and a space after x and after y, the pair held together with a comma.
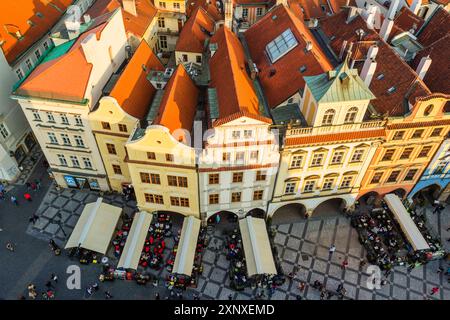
x: 217, y: 218
x: 344, y: 264
x: 49, y: 285
x: 301, y: 286
x: 440, y: 270
x: 434, y: 290
x: 54, y: 277
x: 332, y: 249
x: 33, y: 218
x: 157, y: 297
x: 27, y: 197
x: 230, y: 297
x: 14, y: 200
x: 10, y: 246
x: 108, y: 295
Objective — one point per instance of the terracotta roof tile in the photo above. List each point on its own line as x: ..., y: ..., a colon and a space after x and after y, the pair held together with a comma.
x: 331, y: 138
x: 179, y: 103
x: 407, y: 20
x: 282, y: 79
x: 435, y: 28
x: 235, y: 91
x: 23, y: 16
x: 252, y: 2
x: 195, y: 32
x: 133, y: 92
x: 317, y: 8
x: 210, y: 6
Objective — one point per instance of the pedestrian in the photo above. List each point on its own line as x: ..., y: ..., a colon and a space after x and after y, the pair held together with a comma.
x: 27, y: 197
x: 440, y: 270
x: 33, y: 186
x: 157, y: 297
x: 362, y: 264
x: 340, y: 287
x: 89, y: 291
x: 28, y: 185
x: 108, y: 295
x: 306, y: 215
x: 95, y: 286
x: 301, y: 286
x: 49, y: 285
x: 14, y: 200
x: 344, y: 264
x: 10, y: 246
x: 298, y: 297
x: 196, y: 296
x: 32, y: 291
x: 54, y: 277
x: 217, y: 218
x: 38, y: 183
x: 230, y: 297
x: 434, y: 290
x: 33, y: 218
x: 332, y: 249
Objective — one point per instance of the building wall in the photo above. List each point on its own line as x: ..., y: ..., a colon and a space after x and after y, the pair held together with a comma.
x: 191, y: 57
x: 157, y: 139
x: 111, y: 113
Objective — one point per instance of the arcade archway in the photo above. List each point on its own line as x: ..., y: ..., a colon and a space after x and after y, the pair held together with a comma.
x: 329, y: 208
x: 290, y: 213
x: 429, y: 193
x: 256, y: 213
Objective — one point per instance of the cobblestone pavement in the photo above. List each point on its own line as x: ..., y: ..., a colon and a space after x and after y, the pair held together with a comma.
x: 29, y: 164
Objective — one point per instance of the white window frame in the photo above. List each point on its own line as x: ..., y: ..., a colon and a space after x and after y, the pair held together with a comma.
x: 4, y: 132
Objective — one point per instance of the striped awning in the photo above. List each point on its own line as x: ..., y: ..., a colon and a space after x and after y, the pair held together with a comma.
x: 184, y: 259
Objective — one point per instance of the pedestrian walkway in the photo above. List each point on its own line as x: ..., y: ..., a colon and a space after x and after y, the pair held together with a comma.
x: 28, y: 165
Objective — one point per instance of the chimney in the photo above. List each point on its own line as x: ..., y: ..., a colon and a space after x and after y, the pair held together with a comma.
x: 282, y: 2
x: 73, y: 27
x: 386, y: 28
x: 372, y: 52
x: 368, y: 71
x: 228, y: 14
x: 87, y: 18
x: 415, y: 6
x: 423, y: 66
x: 393, y: 9
x: 309, y: 46
x: 370, y: 16
x: 352, y: 13
x: 130, y: 6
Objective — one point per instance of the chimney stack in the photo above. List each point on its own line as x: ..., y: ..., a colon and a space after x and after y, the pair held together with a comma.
x: 372, y: 52
x: 309, y: 46
x: 368, y: 71
x: 370, y: 16
x: 386, y: 28
x: 352, y: 13
x: 393, y: 9
x: 423, y: 66
x: 415, y: 6
x: 130, y: 6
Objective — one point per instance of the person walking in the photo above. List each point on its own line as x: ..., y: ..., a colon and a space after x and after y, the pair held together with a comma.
x: 38, y: 183
x: 434, y: 290
x: 344, y: 264
x: 32, y: 291
x: 33, y: 186
x: 10, y: 246
x: 27, y: 197
x: 49, y: 285
x: 332, y: 249
x: 14, y: 200
x: 217, y: 218
x: 54, y: 277
x: 301, y: 286
x: 157, y: 297
x: 108, y: 295
x: 33, y: 218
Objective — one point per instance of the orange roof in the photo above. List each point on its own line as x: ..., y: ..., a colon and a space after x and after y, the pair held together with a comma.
x: 331, y: 138
x: 133, y: 91
x: 407, y: 20
x: 66, y: 76
x: 235, y: 92
x: 210, y: 6
x: 282, y: 79
x: 22, y: 16
x: 194, y: 33
x: 179, y: 103
x: 317, y: 8
x: 136, y: 25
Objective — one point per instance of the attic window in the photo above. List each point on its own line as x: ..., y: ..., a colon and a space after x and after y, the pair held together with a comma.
x: 303, y: 68
x: 380, y: 76
x: 274, y: 17
x: 40, y: 15
x: 391, y: 89
x: 281, y: 45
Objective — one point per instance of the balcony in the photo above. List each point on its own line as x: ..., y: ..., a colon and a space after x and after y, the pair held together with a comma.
x: 362, y: 126
x: 167, y: 32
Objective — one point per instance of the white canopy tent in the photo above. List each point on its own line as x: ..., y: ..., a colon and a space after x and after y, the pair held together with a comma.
x: 95, y: 227
x: 257, y: 250
x: 135, y: 241
x: 184, y: 259
x: 406, y: 223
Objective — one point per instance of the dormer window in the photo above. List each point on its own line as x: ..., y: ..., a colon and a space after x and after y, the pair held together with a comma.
x: 392, y: 90
x: 328, y: 117
x: 351, y: 115
x: 281, y: 45
x: 380, y: 76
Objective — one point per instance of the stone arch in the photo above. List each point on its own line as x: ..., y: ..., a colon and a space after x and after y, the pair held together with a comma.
x: 256, y: 213
x: 289, y: 213
x: 330, y: 207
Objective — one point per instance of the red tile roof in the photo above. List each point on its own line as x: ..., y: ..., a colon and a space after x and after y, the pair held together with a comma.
x: 407, y: 20
x: 195, y: 32
x: 235, y: 91
x: 21, y: 16
x: 332, y: 138
x: 210, y: 6
x: 252, y: 2
x: 435, y: 28
x: 133, y: 92
x: 313, y: 8
x: 396, y: 72
x: 283, y: 78
x: 179, y: 103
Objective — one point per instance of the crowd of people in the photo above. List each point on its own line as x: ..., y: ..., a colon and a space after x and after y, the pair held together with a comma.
x: 121, y: 236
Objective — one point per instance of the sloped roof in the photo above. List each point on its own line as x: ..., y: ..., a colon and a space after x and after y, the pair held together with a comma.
x: 342, y: 84
x: 235, y: 91
x: 282, y: 79
x: 66, y: 76
x: 394, y: 70
x: 313, y: 8
x: 195, y: 32
x: 210, y: 6
x: 33, y: 19
x: 435, y: 28
x: 407, y: 20
x: 330, y: 138
x: 133, y: 92
x: 179, y: 102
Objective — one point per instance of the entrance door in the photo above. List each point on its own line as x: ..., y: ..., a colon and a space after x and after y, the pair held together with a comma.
x: 19, y: 154
x: 82, y: 183
x: 180, y: 25
x: 30, y: 141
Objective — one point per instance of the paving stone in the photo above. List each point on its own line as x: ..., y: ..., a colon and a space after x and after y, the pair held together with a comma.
x: 415, y: 296
x: 218, y: 275
x: 290, y: 255
x: 72, y: 221
x: 399, y: 293
x: 284, y: 228
x: 293, y: 243
x: 307, y: 248
x: 59, y: 202
x: 41, y: 223
x: 400, y: 279
x: 50, y: 212
x: 280, y: 239
x: 51, y: 228
x: 320, y: 266
x: 335, y: 271
x: 351, y: 276
x: 364, y: 294
x: 211, y: 289
x: 209, y: 256
x: 297, y: 229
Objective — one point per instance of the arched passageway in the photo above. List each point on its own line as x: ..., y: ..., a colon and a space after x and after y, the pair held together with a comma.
x: 290, y: 213
x: 329, y: 208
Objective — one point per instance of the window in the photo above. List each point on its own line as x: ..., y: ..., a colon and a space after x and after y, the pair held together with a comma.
x: 337, y: 157
x: 417, y: 134
x: 357, y: 155
x: 248, y: 134
x: 424, y: 152
x: 351, y: 115
x: 281, y: 45
x: 440, y: 167
x: 436, y: 132
x: 175, y: 181
x: 62, y: 160
x: 261, y: 175
x: 226, y: 156
x: 236, y: 134
x: 184, y: 57
x: 428, y: 110
x: 213, y: 178
x: 237, y: 177
x: 376, y: 177
x: 37, y: 53
x: 184, y: 202
x: 398, y: 135
x: 19, y: 74
x: 111, y: 148
x: 64, y: 119
x: 50, y: 117
x: 254, y: 155
x: 198, y: 59
x: 29, y: 65
x: 75, y: 162
x: 245, y: 12
x: 106, y: 125
x: 393, y: 176
x: 162, y: 4
x: 290, y: 187
x: 151, y: 156
x: 296, y: 161
x: 328, y: 184
x: 411, y: 174
x: 240, y: 156
x: 36, y: 115
x: 65, y: 139
x: 123, y: 127
x: 45, y: 44
x: 258, y: 195
x: 154, y: 178
x: 163, y: 42
x: 259, y: 12
x: 78, y: 120
x: 235, y: 197
x: 153, y: 198
x: 4, y: 131
x: 172, y: 181
x: 328, y: 117
x: 346, y: 182
x: 317, y: 160
x: 406, y: 153
x: 214, y: 198
x: 52, y: 138
x: 169, y: 157
x: 388, y: 155
x: 79, y: 141
x: 176, y: 5
x: 309, y: 186
x: 87, y: 163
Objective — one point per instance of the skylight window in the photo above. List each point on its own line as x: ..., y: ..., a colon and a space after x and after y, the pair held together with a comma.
x: 391, y: 89
x: 281, y: 45
x: 380, y: 76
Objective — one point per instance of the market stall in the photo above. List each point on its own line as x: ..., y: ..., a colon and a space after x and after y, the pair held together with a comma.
x: 406, y: 223
x: 184, y: 259
x: 95, y: 227
x: 135, y: 241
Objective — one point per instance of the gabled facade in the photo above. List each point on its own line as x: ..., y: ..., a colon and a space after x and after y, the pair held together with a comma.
x: 171, y: 19
x: 242, y: 14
